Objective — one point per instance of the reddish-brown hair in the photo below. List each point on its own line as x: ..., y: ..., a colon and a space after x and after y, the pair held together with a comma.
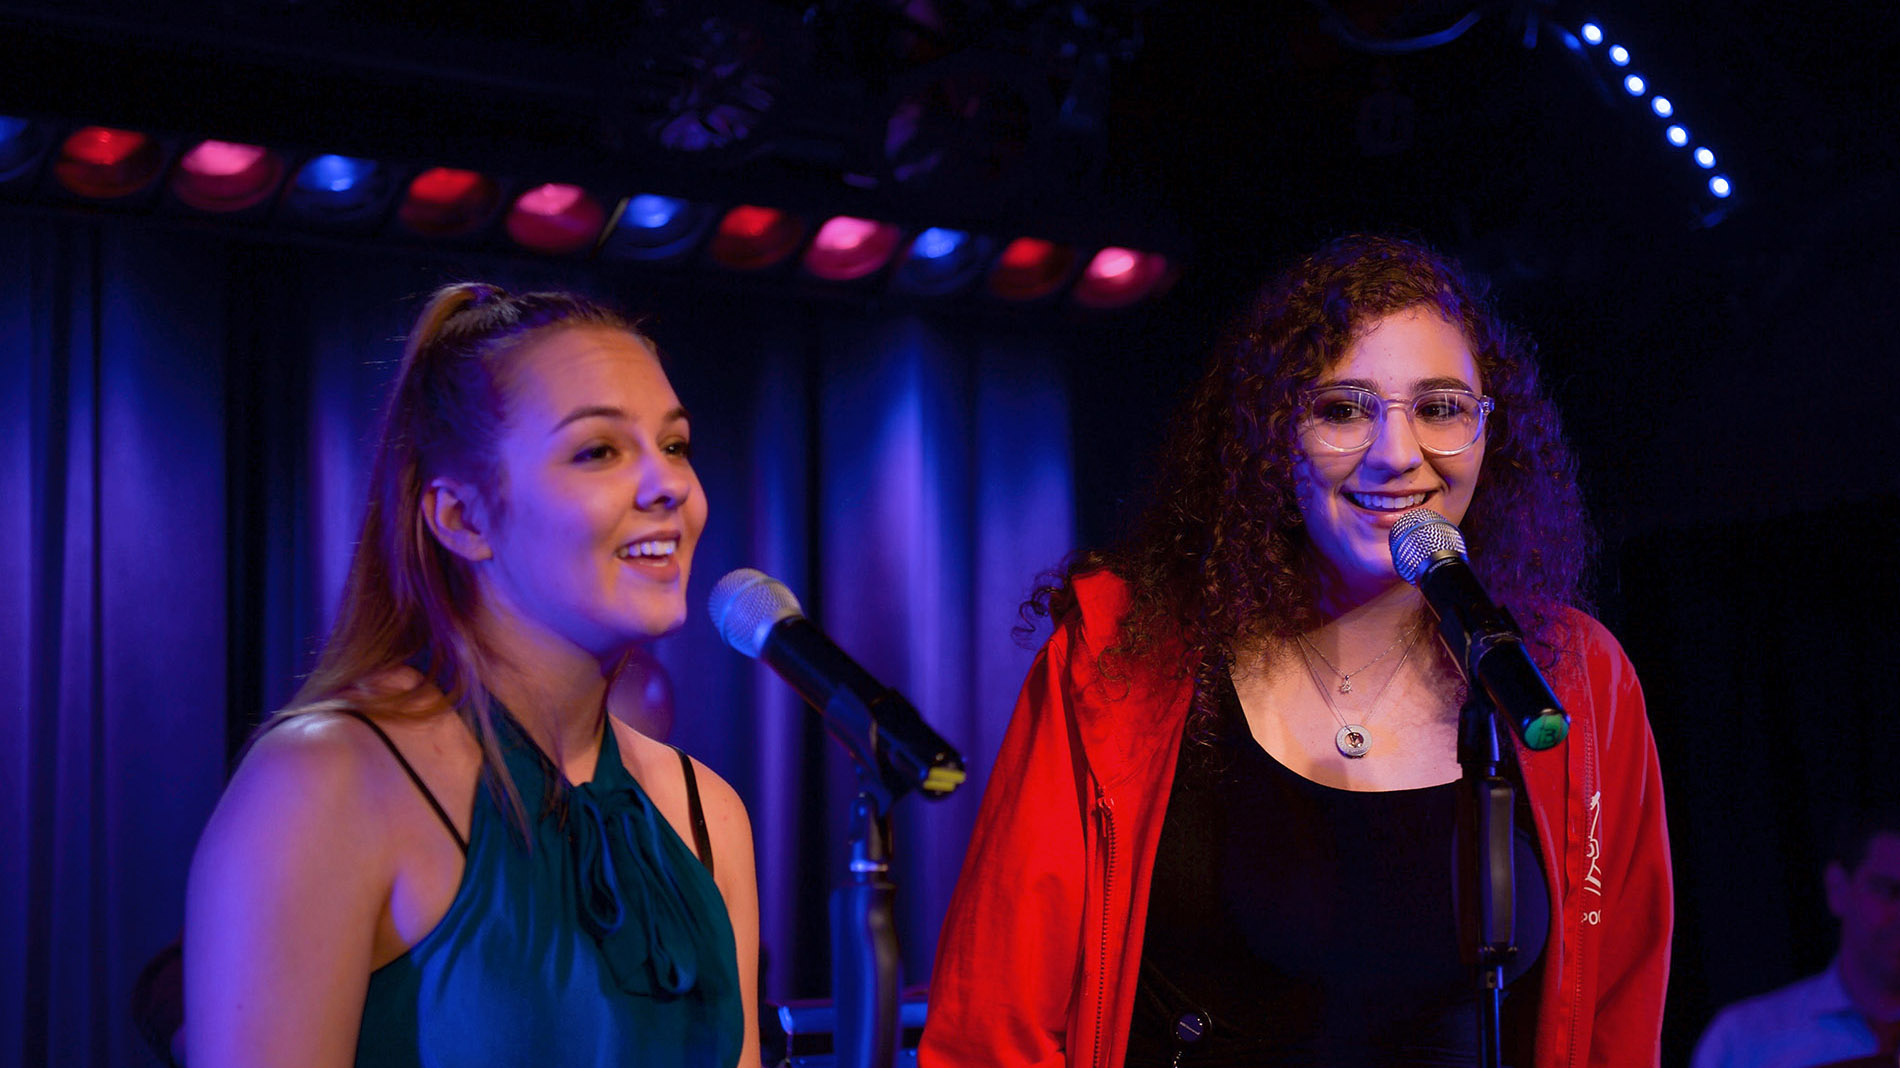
x: 1217, y: 558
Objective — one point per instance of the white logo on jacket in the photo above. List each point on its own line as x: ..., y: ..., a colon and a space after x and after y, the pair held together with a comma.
x: 1593, y: 879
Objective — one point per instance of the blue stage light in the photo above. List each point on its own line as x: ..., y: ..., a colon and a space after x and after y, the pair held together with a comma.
x: 940, y: 262
x: 1619, y: 55
x: 654, y: 227
x: 1677, y: 136
x: 19, y: 144
x: 652, y: 212
x: 937, y: 242
x: 1662, y: 107
x: 332, y: 190
x: 1704, y: 158
x: 1720, y: 187
x: 1634, y: 85
x: 335, y: 174
x: 1592, y: 33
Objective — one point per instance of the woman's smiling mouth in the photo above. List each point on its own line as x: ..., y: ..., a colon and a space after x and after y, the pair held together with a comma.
x: 651, y: 551
x: 1386, y: 502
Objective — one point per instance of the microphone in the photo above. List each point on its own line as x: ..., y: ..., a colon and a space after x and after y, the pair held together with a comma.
x: 1429, y: 552
x: 759, y: 617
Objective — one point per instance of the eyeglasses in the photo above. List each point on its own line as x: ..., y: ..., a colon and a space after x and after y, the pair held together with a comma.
x: 1346, y: 418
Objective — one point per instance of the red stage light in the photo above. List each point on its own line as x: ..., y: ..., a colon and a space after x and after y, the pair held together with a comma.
x: 751, y: 238
x: 224, y: 176
x: 443, y: 202
x: 1118, y: 277
x: 1029, y: 268
x: 556, y: 218
x: 847, y: 248
x: 101, y: 162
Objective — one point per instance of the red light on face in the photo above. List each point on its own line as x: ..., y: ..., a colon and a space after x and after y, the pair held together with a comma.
x: 1118, y: 277
x: 225, y: 176
x: 102, y: 162
x: 443, y: 202
x: 1029, y: 268
x: 847, y: 248
x: 556, y: 218
x: 751, y: 238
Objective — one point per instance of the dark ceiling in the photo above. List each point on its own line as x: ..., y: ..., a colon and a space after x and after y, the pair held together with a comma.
x: 1235, y: 130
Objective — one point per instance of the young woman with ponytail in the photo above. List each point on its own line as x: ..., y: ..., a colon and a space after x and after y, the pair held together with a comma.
x: 445, y: 851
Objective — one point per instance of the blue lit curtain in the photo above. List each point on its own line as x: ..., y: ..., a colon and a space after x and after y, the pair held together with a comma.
x: 184, y: 430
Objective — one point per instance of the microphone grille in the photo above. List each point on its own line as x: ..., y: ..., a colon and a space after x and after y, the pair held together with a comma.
x: 745, y: 606
x: 1419, y: 535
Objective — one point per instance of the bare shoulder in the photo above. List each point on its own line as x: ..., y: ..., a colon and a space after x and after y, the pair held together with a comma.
x: 657, y: 766
x: 324, y: 763
x: 299, y: 783
x: 289, y: 883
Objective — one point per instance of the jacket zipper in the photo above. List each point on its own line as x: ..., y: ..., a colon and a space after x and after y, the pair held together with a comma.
x: 1589, y: 788
x: 1105, y: 806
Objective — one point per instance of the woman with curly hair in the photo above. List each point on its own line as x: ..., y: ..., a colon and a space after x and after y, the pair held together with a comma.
x: 445, y: 851
x: 1220, y: 827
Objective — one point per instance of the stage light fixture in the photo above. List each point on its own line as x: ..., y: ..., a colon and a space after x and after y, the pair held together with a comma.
x: 446, y: 202
x: 847, y: 248
x: 337, y: 192
x: 338, y: 182
x: 1117, y: 277
x: 1030, y: 268
x: 650, y: 212
x: 21, y: 142
x: 103, y: 163
x: 556, y: 218
x: 1634, y: 85
x: 1662, y: 107
x: 1704, y: 158
x: 1677, y: 136
x: 225, y: 176
x: 1720, y: 187
x: 652, y: 227
x: 941, y: 261
x: 752, y: 238
x: 1619, y: 55
x: 1592, y: 33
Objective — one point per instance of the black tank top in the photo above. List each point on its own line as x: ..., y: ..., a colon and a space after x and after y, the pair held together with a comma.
x: 1310, y: 925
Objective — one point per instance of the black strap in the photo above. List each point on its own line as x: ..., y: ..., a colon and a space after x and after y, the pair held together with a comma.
x: 702, y: 842
x: 413, y: 777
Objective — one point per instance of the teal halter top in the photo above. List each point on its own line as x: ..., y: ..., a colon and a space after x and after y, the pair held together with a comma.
x: 602, y: 941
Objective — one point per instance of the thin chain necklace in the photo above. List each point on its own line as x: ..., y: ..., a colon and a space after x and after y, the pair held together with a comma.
x: 1345, y: 677
x: 1353, y: 740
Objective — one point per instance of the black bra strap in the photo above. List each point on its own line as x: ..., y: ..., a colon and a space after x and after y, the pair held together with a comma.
x: 702, y: 842
x: 413, y: 777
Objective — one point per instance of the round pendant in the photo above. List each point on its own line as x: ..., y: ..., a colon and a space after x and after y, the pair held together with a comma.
x: 1352, y: 741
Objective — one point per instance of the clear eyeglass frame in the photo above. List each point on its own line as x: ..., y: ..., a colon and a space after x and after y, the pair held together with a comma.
x: 1369, y: 401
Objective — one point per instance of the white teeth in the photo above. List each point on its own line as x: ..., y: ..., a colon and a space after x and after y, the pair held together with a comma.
x: 648, y: 548
x: 1385, y: 502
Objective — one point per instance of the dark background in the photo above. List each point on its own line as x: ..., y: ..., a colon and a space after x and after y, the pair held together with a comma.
x: 1724, y: 369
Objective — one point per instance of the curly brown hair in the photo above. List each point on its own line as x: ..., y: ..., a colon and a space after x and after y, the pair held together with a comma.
x: 1218, y: 557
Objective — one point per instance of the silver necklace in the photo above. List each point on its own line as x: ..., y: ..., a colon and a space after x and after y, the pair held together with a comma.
x: 1345, y: 677
x: 1352, y: 739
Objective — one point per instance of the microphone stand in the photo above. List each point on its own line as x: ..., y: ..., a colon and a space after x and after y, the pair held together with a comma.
x: 1485, y: 886
x: 864, y: 957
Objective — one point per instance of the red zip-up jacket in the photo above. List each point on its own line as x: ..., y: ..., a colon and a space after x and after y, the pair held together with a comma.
x: 1040, y: 949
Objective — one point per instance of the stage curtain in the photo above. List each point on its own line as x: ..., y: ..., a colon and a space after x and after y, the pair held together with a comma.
x: 185, y: 421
